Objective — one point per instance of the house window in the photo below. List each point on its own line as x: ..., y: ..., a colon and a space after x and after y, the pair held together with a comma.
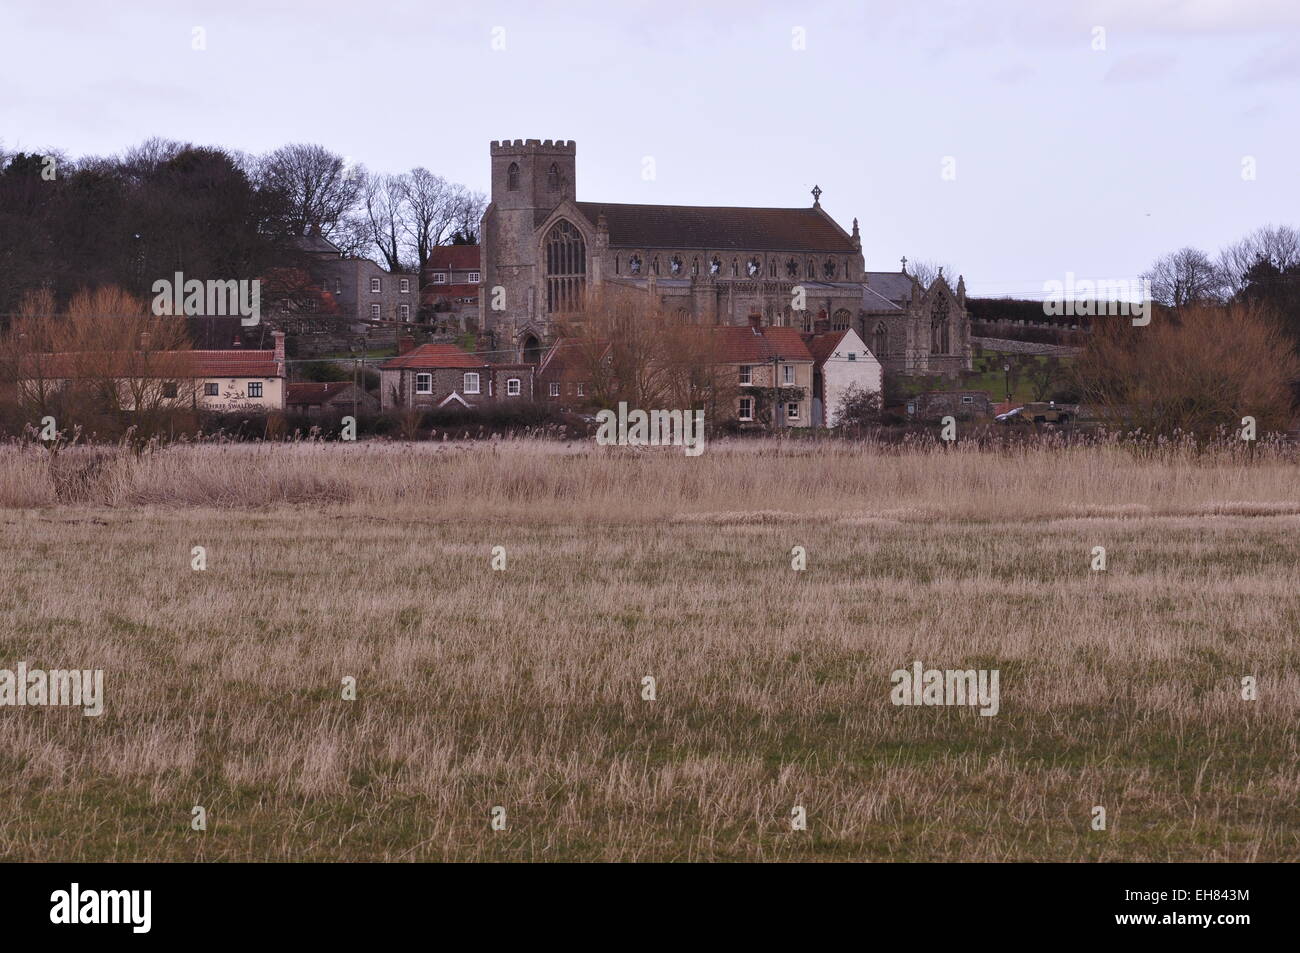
x: 853, y: 355
x: 439, y: 277
x: 376, y: 285
x: 787, y: 374
x: 210, y: 389
x: 512, y: 387
x: 968, y: 399
x: 405, y: 311
x: 254, y: 388
x: 471, y: 383
x: 512, y: 177
x: 473, y: 277
x: 746, y: 408
x: 169, y: 389
x: 374, y: 312
x: 424, y: 383
x: 555, y: 390
x: 792, y: 411
x: 404, y: 286
x: 580, y: 392
x: 746, y: 374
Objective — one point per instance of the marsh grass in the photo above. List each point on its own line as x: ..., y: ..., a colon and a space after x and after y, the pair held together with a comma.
x: 522, y: 688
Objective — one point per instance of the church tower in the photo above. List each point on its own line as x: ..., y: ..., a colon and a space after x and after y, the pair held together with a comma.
x: 529, y: 179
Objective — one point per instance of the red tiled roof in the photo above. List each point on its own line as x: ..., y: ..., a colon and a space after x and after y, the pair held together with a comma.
x: 434, y: 356
x: 740, y: 345
x: 69, y: 365
x: 822, y: 346
x: 458, y: 257
x: 720, y: 229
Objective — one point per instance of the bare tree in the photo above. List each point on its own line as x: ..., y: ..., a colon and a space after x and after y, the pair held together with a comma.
x: 928, y: 270
x: 437, y: 210
x: 385, y: 212
x: 1185, y: 277
x: 1279, y: 246
x: 1204, y: 367
x: 319, y: 187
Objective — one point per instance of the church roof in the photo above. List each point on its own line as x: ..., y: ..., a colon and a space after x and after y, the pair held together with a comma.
x: 719, y: 229
x: 895, y: 286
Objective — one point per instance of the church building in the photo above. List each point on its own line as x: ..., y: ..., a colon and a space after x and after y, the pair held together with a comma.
x: 545, y: 255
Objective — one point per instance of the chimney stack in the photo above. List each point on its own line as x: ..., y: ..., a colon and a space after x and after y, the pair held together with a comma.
x: 278, y: 337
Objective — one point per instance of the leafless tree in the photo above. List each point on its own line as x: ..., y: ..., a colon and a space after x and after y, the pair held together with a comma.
x: 386, y: 214
x: 320, y: 188
x: 928, y: 270
x: 1278, y: 245
x: 1185, y: 277
x: 437, y: 210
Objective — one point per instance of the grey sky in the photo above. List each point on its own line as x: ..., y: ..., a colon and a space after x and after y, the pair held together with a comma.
x: 1066, y: 158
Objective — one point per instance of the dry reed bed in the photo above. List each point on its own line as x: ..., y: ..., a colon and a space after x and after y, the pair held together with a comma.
x: 522, y: 688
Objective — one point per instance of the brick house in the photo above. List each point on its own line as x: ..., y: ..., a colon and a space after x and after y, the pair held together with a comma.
x: 564, y: 376
x: 449, y: 287
x: 439, y: 375
x: 766, y: 358
x: 328, y: 399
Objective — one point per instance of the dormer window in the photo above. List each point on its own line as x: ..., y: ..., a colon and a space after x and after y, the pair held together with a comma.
x: 512, y: 177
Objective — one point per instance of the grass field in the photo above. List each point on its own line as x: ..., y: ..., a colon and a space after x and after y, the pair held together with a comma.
x: 522, y: 688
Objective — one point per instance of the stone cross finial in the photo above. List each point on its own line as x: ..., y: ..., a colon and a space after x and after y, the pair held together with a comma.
x: 904, y: 260
x: 817, y: 195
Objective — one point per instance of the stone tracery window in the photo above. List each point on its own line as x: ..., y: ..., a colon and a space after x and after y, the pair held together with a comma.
x: 753, y: 267
x: 634, y: 265
x: 715, y: 266
x: 675, y: 264
x: 880, y: 341
x: 566, y: 268
x: 841, y: 319
x: 828, y: 268
x: 792, y: 268
x: 939, y: 342
x: 512, y: 177
x: 553, y: 178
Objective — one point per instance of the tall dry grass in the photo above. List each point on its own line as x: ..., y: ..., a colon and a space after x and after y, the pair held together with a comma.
x: 522, y: 688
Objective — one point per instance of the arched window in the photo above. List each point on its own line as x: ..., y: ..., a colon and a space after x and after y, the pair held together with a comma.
x: 828, y: 269
x: 566, y: 268
x: 553, y: 178
x: 840, y: 322
x: 812, y: 268
x: 880, y: 341
x: 512, y: 177
x: 939, y: 328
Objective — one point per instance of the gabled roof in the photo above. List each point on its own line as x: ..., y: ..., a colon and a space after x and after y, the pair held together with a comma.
x: 719, y: 228
x: 433, y: 356
x: 822, y: 346
x: 740, y: 345
x: 316, y: 244
x: 457, y: 257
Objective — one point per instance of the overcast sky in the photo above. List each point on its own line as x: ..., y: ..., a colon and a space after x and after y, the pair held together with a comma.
x: 1065, y: 158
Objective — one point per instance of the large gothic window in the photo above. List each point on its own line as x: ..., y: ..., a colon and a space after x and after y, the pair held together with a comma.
x: 512, y: 177
x: 553, y: 178
x: 880, y: 341
x: 566, y: 268
x: 840, y: 322
x: 939, y: 328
